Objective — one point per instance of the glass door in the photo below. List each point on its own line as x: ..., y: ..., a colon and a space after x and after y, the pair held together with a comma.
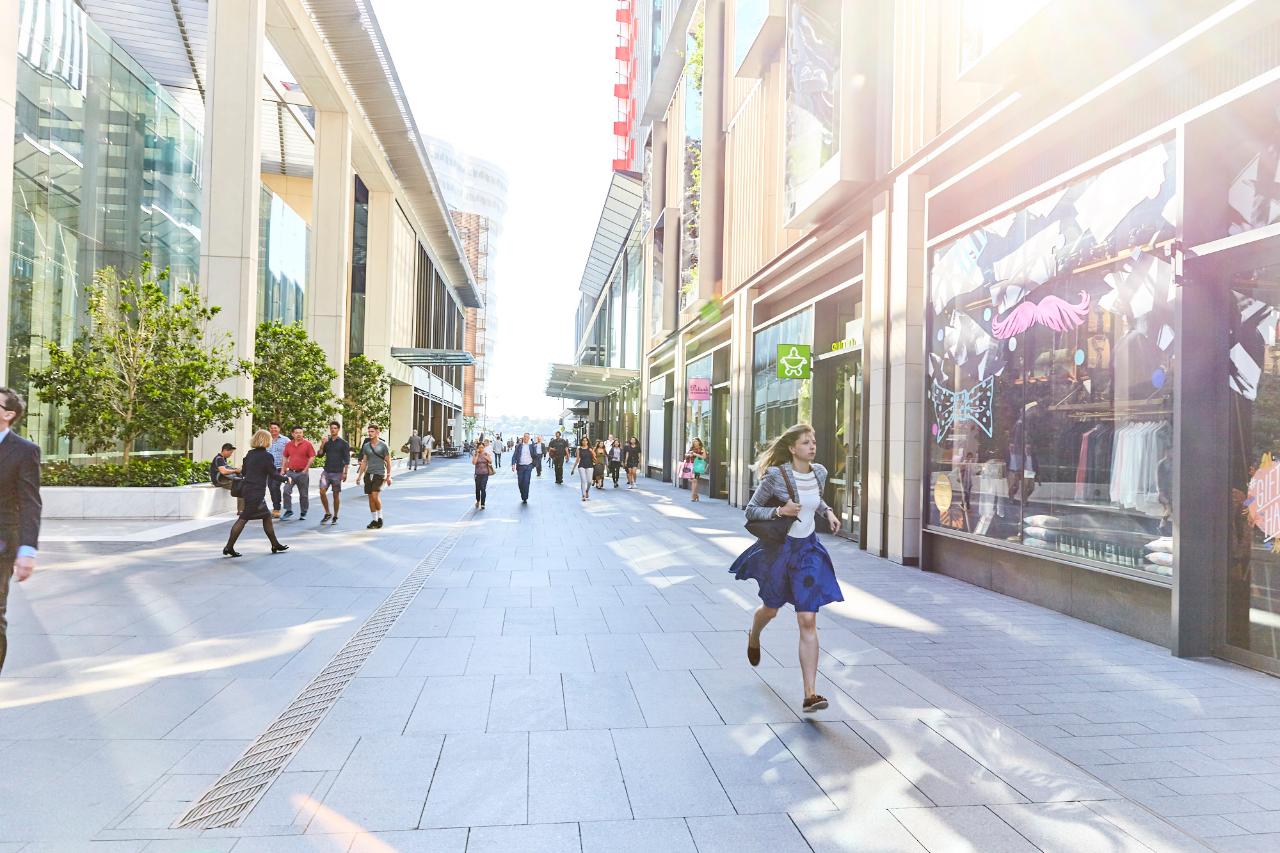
x: 846, y: 477
x: 720, y: 435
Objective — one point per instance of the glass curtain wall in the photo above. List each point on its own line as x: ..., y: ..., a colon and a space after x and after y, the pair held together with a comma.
x: 778, y: 403
x: 283, y: 261
x: 812, y: 132
x: 359, y: 261
x: 1050, y: 373
x: 106, y: 170
x: 632, y: 348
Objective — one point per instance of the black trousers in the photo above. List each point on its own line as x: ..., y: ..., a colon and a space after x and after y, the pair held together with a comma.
x: 6, y: 573
x: 537, y: 465
x: 274, y: 488
x: 559, y: 463
x: 614, y: 468
x: 482, y: 487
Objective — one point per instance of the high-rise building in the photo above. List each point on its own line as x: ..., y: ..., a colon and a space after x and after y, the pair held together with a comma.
x: 235, y: 144
x: 476, y: 192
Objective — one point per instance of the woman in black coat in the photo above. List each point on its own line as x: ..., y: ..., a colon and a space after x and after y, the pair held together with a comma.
x: 258, y: 469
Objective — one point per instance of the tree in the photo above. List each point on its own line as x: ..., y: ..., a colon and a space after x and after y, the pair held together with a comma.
x: 366, y: 393
x: 469, y: 426
x: 145, y: 365
x: 292, y: 379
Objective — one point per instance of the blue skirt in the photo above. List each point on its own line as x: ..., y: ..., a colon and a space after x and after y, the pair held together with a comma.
x: 799, y: 572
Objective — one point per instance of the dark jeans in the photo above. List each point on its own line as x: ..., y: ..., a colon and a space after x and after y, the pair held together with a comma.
x: 524, y: 473
x: 537, y: 465
x: 6, y: 572
x: 559, y: 463
x: 614, y: 468
x: 482, y: 487
x: 274, y: 487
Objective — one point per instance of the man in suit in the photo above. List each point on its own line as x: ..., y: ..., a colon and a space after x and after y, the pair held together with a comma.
x: 522, y: 464
x: 539, y: 450
x: 19, y: 503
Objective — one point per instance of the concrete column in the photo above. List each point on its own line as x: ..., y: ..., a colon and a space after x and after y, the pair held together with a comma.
x: 906, y: 368
x: 232, y: 162
x: 333, y: 198
x: 401, y: 416
x: 8, y: 119
x: 876, y: 385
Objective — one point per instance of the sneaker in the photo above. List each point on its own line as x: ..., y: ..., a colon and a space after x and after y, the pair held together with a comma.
x: 379, y: 522
x: 302, y: 517
x: 335, y: 521
x: 372, y: 525
x: 326, y: 518
x: 288, y: 514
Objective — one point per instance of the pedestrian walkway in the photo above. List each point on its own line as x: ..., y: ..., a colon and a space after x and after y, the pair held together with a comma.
x: 573, y: 677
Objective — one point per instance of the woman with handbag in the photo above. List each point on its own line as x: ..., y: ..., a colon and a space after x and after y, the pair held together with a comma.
x: 482, y: 459
x: 787, y: 560
x: 601, y: 454
x: 258, y: 469
x: 695, y: 461
x: 584, y: 462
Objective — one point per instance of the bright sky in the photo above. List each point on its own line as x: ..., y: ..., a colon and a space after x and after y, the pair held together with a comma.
x: 529, y: 87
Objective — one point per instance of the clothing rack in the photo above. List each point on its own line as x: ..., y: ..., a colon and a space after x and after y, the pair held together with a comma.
x: 1114, y: 415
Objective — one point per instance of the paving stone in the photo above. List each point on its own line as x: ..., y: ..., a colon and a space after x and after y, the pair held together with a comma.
x: 772, y: 833
x: 480, y: 780
x: 438, y: 656
x: 672, y: 699
x: 850, y: 772
x: 414, y: 841
x: 619, y: 653
x: 526, y: 703
x: 574, y: 776
x: 384, y: 783
x: 678, y: 650
x: 1066, y: 826
x: 758, y: 772
x: 533, y: 838
x: 974, y: 828
x: 602, y: 700
x: 558, y: 654
x: 857, y: 831
x: 499, y: 656
x: 451, y: 704
x: 670, y: 835
x: 647, y: 757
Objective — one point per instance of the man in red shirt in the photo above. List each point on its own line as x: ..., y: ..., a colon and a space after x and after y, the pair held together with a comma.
x: 297, y: 470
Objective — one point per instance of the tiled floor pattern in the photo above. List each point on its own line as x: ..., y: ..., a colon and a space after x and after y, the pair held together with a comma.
x: 573, y: 678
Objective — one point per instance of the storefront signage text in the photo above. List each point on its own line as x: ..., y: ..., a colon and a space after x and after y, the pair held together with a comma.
x: 793, y: 361
x: 1263, y: 503
x: 699, y: 388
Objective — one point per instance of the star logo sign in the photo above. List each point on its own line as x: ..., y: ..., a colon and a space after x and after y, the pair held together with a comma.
x: 792, y: 362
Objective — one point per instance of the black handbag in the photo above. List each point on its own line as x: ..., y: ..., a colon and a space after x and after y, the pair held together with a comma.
x: 237, y: 487
x: 773, y: 531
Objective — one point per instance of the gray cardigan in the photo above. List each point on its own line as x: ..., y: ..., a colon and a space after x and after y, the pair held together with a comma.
x: 772, y: 492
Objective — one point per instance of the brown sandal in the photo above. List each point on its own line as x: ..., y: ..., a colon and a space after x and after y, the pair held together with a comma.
x: 815, y: 703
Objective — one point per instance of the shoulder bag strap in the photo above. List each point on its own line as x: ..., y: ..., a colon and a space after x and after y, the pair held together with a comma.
x: 791, y: 489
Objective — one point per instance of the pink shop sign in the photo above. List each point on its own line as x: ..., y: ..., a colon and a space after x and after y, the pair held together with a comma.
x: 699, y: 389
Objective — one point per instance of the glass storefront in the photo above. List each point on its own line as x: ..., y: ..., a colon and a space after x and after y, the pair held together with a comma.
x: 106, y: 170
x: 697, y: 411
x: 778, y: 403
x: 283, y: 261
x: 359, y: 264
x: 1050, y: 368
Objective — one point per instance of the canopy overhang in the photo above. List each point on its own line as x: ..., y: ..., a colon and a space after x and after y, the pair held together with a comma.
x: 621, y: 204
x: 587, y: 382
x: 419, y: 357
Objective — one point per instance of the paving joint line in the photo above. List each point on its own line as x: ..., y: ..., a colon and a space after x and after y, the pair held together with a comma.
x: 233, y: 796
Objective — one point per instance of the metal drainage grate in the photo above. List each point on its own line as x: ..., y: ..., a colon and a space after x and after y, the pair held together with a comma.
x: 233, y: 796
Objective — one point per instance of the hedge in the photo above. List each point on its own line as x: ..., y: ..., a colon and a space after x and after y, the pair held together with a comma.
x: 153, y: 471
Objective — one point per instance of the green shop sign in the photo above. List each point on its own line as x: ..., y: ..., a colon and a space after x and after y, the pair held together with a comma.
x: 793, y: 361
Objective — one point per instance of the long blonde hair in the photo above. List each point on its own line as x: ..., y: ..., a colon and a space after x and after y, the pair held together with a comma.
x: 779, y: 450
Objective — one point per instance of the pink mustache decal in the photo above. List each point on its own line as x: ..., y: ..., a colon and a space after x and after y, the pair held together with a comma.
x: 1052, y: 312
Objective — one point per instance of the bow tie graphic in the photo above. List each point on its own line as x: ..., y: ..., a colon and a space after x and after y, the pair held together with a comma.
x: 971, y: 404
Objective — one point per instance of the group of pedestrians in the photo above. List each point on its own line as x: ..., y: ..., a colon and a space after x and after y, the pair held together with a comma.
x: 610, y: 457
x: 274, y: 462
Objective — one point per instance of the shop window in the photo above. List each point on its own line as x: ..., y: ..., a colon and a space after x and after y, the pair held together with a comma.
x: 1050, y: 373
x: 697, y: 418
x: 778, y: 403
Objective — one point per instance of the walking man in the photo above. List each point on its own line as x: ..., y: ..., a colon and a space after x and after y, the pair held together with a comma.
x: 539, y: 450
x: 522, y: 464
x: 429, y: 444
x: 337, y: 459
x: 276, y: 449
x: 559, y: 450
x: 19, y: 504
x: 375, y: 472
x: 297, y: 471
x: 414, y: 445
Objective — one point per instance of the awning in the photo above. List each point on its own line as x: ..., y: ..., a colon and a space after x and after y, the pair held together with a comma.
x: 584, y: 382
x: 418, y: 357
x: 620, y: 208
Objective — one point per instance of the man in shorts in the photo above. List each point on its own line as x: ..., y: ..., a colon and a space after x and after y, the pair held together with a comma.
x: 375, y: 472
x: 337, y: 459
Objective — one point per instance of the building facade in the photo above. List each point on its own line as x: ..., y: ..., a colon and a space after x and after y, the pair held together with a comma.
x: 230, y: 145
x: 476, y: 192
x: 1026, y: 298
